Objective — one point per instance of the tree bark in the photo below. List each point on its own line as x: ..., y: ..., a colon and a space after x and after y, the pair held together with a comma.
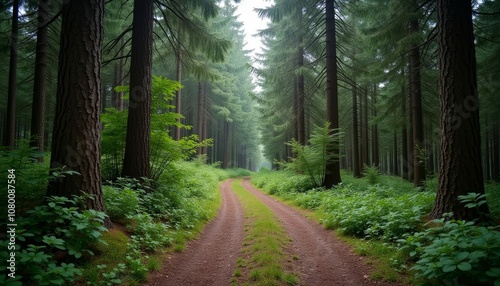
x: 178, y: 94
x: 76, y: 135
x: 460, y: 168
x: 137, y: 145
x: 375, y: 149
x: 395, y: 158
x: 416, y: 98
x: 404, y: 135
x: 201, y: 117
x: 10, y: 128
x: 356, y: 169
x: 301, y: 122
x: 38, y: 106
x: 332, y: 166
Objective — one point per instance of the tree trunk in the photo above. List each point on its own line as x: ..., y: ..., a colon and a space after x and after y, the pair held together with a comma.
x: 366, y: 143
x: 201, y: 117
x: 416, y: 98
x: 10, y: 128
x: 121, y: 77
x: 404, y: 135
x: 332, y: 166
x: 395, y: 158
x: 301, y: 122
x: 460, y: 168
x: 178, y: 98
x: 76, y: 135
x: 137, y: 145
x: 356, y: 169
x: 38, y: 106
x: 496, y: 154
x: 375, y: 149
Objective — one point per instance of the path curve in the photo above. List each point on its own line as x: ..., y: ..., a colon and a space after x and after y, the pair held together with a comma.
x: 323, y: 259
x: 211, y: 259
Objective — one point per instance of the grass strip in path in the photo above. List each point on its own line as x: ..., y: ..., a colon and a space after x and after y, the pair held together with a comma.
x: 263, y: 254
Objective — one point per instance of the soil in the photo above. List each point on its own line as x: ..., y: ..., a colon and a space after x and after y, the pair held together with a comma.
x: 319, y: 257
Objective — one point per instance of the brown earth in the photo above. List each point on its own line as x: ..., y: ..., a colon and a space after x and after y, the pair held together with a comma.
x: 210, y: 260
x: 323, y: 259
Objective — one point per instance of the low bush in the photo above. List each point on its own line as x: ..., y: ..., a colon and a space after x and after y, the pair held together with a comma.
x: 120, y: 203
x: 54, y: 237
x: 456, y: 253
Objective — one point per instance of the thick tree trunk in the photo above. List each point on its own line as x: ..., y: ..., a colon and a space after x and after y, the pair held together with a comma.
x: 76, y: 135
x: 332, y: 168
x: 38, y: 106
x: 356, y: 169
x: 10, y: 128
x: 460, y: 168
x: 137, y: 146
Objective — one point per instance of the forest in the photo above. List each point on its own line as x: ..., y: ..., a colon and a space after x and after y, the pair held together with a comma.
x: 134, y: 131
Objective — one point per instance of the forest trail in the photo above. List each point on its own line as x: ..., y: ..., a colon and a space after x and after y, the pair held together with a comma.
x: 323, y: 260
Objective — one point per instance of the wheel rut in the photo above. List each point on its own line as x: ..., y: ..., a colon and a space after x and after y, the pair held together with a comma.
x: 210, y: 259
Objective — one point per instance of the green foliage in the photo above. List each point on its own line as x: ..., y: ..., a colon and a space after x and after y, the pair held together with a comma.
x: 456, y: 251
x: 53, y: 236
x: 311, y: 159
x: 147, y: 234
x: 164, y: 150
x: 372, y: 174
x: 120, y: 203
x: 107, y: 278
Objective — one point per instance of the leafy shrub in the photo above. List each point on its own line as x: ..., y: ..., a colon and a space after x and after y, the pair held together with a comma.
x: 120, y: 203
x: 54, y: 236
x: 456, y: 253
x: 149, y: 235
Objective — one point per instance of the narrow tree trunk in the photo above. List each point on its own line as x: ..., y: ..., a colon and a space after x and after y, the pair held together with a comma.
x: 300, y: 98
x: 137, y: 146
x: 496, y: 154
x: 10, y: 128
x: 356, y: 169
x: 395, y: 158
x: 225, y: 158
x: 366, y: 143
x: 332, y: 168
x: 201, y: 117
x: 375, y: 149
x: 404, y: 135
x: 460, y: 168
x: 76, y: 135
x: 38, y: 106
x: 178, y: 98
x: 121, y: 77
x: 416, y: 98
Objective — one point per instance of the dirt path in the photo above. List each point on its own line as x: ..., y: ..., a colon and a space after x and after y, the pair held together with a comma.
x: 211, y: 259
x: 323, y: 259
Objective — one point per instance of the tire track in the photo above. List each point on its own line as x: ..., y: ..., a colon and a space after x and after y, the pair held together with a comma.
x: 211, y: 259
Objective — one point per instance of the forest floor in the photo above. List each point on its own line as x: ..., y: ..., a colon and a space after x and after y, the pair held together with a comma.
x: 320, y: 258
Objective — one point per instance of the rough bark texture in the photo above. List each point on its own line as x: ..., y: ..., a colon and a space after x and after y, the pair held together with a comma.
x: 76, y: 135
x: 178, y: 94
x: 460, y: 169
x: 137, y: 148
x: 332, y: 168
x: 404, y: 136
x: 375, y: 152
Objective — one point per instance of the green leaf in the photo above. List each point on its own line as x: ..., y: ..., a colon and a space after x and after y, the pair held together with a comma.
x: 464, y: 266
x: 449, y: 268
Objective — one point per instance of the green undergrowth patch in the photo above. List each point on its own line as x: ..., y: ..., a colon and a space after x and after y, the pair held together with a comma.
x: 263, y: 254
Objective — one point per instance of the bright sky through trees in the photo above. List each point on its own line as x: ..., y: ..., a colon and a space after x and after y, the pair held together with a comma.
x: 251, y: 22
